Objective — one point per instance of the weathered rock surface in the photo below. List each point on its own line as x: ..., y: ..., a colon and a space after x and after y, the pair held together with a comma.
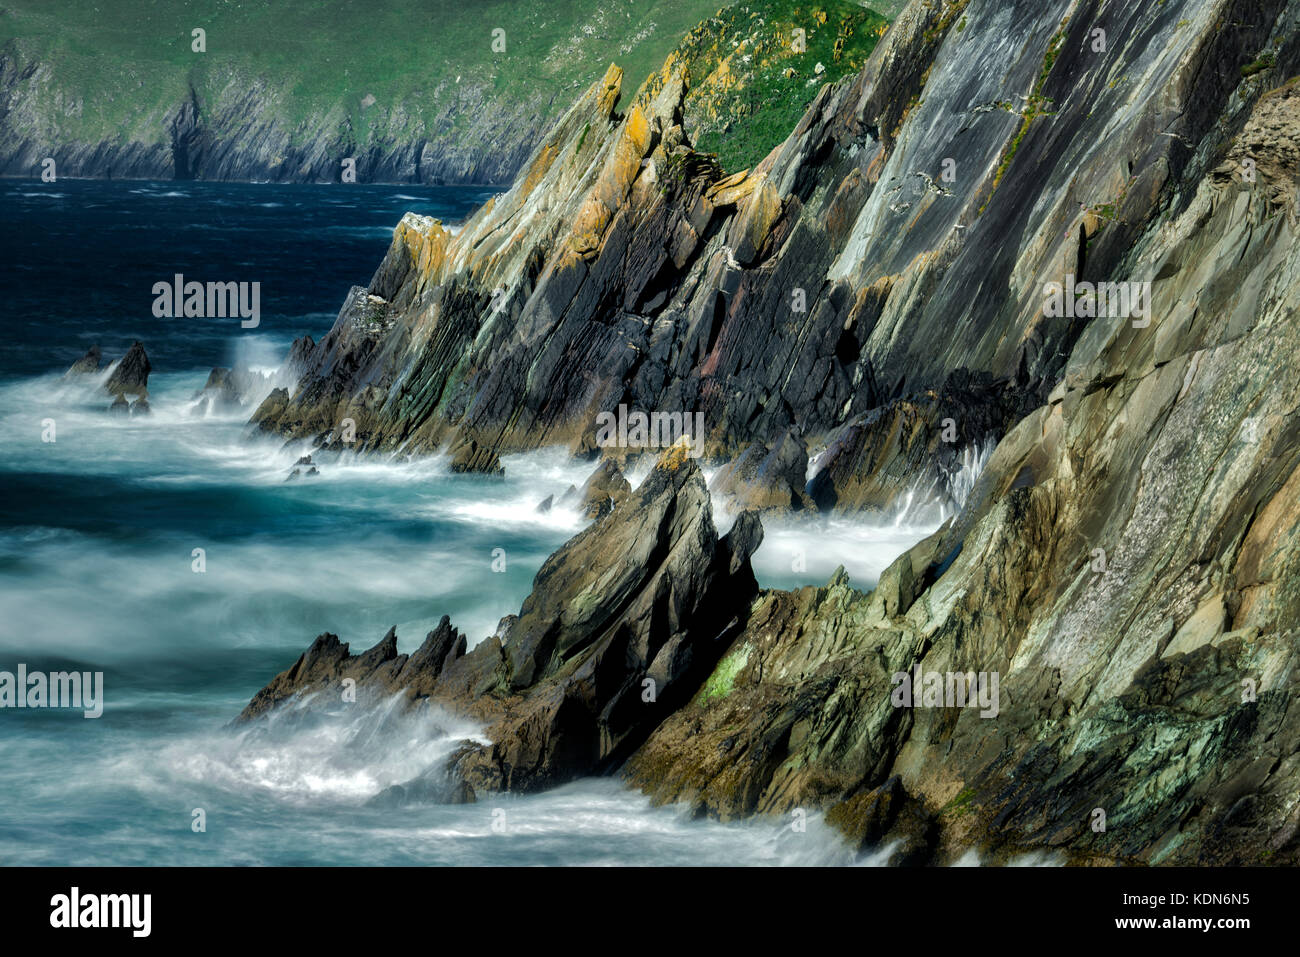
x: 767, y: 480
x: 840, y: 275
x: 604, y: 489
x: 472, y: 457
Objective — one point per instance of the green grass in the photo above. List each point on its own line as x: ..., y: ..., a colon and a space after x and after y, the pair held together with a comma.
x: 723, y: 679
x: 1035, y: 106
x: 1263, y: 63
x: 961, y: 804
x: 740, y: 110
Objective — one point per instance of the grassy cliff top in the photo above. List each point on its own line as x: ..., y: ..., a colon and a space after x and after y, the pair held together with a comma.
x: 115, y: 64
x: 397, y: 71
x: 757, y: 65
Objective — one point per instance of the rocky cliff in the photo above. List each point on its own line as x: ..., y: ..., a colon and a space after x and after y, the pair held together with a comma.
x: 1125, y: 576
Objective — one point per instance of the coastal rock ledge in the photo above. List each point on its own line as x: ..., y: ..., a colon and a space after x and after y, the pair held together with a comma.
x: 624, y: 623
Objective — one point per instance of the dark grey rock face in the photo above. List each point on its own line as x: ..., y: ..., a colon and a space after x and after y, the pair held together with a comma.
x: 767, y: 479
x: 1126, y: 564
x: 604, y: 489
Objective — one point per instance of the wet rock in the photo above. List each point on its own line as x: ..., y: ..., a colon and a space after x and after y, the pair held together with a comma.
x: 544, y: 506
x: 222, y: 391
x: 767, y: 480
x: 271, y: 409
x: 120, y: 406
x: 140, y: 406
x: 603, y: 490
x: 131, y: 375
x: 86, y: 365
x: 922, y: 444
x: 472, y: 457
x: 1125, y: 564
x: 887, y: 814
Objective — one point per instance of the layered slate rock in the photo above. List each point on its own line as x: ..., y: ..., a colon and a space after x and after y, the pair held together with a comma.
x: 604, y: 489
x: 1128, y: 563
x: 623, y: 623
x: 843, y: 273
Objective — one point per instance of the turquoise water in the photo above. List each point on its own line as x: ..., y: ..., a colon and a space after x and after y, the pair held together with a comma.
x: 98, y: 530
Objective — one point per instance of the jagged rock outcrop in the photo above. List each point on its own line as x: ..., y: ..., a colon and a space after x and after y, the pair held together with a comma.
x: 131, y: 374
x: 226, y: 390
x: 87, y: 364
x: 622, y: 624
x: 767, y: 480
x: 472, y: 457
x: 927, y: 444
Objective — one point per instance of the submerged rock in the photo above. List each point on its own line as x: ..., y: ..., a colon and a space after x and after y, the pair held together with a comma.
x: 86, y: 365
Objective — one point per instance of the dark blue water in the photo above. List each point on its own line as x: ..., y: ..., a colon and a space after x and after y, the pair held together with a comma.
x: 98, y: 529
x: 81, y: 258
